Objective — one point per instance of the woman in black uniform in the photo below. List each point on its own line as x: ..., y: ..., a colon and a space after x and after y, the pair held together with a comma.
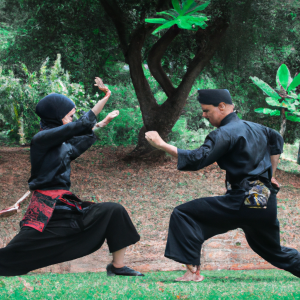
x: 57, y: 225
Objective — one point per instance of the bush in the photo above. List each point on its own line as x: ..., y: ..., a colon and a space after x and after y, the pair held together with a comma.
x: 18, y: 97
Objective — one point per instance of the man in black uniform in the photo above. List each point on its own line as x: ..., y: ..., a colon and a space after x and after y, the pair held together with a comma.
x: 249, y: 153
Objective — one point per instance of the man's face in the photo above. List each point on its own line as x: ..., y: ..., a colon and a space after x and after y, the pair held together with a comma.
x: 212, y: 114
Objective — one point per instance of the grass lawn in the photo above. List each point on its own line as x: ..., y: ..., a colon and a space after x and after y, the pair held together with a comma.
x: 256, y: 284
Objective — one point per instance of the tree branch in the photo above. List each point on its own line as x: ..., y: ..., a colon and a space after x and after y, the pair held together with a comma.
x: 210, y: 40
x: 116, y: 15
x: 140, y: 83
x: 155, y: 56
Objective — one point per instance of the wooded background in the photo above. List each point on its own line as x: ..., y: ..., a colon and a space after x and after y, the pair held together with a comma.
x: 60, y: 46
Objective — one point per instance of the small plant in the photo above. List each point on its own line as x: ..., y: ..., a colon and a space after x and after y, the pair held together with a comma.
x: 185, y: 16
x: 284, y: 98
x: 18, y: 98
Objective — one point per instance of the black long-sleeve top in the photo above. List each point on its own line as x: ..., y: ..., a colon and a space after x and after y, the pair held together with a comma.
x: 52, y: 150
x: 241, y: 148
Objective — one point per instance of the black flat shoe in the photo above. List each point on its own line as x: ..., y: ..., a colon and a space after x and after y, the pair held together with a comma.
x: 125, y: 271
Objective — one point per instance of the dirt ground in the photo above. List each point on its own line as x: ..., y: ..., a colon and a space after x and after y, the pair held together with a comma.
x: 149, y: 192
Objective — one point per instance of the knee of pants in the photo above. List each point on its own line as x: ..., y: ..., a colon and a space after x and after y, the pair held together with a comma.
x: 116, y: 208
x: 175, y: 213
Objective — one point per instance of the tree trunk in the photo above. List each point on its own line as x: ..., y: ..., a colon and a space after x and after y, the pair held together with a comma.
x: 298, y: 158
x: 161, y: 118
x: 283, y: 122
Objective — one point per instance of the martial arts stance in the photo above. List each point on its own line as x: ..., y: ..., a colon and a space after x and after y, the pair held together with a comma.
x: 58, y: 226
x: 249, y: 153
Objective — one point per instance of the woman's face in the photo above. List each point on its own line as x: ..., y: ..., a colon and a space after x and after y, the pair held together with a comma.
x: 68, y: 117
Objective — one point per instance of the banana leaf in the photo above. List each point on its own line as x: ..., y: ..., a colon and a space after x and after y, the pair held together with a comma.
x: 273, y: 102
x: 186, y: 5
x: 265, y: 87
x: 176, y: 6
x: 198, y: 8
x: 165, y: 13
x: 268, y: 111
x: 292, y: 118
x: 164, y: 26
x: 284, y: 76
x: 185, y: 22
x: 294, y: 83
x: 156, y: 21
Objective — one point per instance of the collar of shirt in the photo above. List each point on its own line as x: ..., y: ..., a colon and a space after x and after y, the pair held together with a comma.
x: 229, y: 118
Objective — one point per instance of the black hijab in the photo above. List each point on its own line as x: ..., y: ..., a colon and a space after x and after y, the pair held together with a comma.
x: 52, y: 109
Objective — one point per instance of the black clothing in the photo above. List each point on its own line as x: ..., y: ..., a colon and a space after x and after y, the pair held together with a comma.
x: 52, y: 109
x: 214, y: 97
x: 243, y: 149
x: 68, y: 235
x: 51, y: 152
x: 196, y: 221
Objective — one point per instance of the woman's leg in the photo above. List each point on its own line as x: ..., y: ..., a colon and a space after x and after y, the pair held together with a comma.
x: 118, y: 258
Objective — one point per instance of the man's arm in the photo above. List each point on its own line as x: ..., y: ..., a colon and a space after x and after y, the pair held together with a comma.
x: 275, y: 142
x: 156, y: 141
x: 192, y: 160
x: 274, y: 162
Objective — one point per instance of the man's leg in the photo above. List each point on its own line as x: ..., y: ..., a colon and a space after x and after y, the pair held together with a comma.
x: 265, y: 241
x: 190, y: 225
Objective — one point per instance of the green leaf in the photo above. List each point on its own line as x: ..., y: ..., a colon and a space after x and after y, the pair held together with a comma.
x: 284, y: 76
x: 186, y: 22
x: 295, y: 83
x: 186, y: 5
x: 198, y: 8
x: 268, y: 111
x: 164, y: 26
x: 272, y: 101
x: 176, y: 6
x: 157, y: 21
x: 292, y: 118
x: 265, y: 87
x: 167, y: 14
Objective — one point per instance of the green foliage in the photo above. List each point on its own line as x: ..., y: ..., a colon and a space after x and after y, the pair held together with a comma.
x: 284, y: 97
x: 183, y: 15
x: 268, y: 111
x: 123, y: 130
x: 18, y: 97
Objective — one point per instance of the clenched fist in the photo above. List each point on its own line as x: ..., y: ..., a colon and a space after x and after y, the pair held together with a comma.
x: 154, y: 139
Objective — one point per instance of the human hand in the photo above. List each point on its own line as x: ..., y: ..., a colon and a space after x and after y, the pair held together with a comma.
x: 68, y: 118
x: 108, y: 119
x: 275, y: 182
x: 99, y: 83
x: 154, y: 139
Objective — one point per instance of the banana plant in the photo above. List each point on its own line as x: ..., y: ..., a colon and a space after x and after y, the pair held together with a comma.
x: 284, y: 98
x: 185, y: 15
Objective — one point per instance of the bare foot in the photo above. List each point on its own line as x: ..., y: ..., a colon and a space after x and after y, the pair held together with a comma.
x: 192, y: 274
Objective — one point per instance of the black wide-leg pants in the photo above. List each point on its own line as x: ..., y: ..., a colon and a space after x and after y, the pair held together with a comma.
x: 68, y: 235
x: 196, y: 221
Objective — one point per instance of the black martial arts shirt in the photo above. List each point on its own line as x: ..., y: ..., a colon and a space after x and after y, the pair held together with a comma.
x: 241, y: 148
x: 52, y: 150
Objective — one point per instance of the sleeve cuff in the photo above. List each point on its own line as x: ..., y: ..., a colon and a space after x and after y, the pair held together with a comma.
x: 181, y: 162
x: 89, y: 119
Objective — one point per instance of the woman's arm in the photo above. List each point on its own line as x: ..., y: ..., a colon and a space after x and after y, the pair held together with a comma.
x: 107, y: 119
x: 99, y: 106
